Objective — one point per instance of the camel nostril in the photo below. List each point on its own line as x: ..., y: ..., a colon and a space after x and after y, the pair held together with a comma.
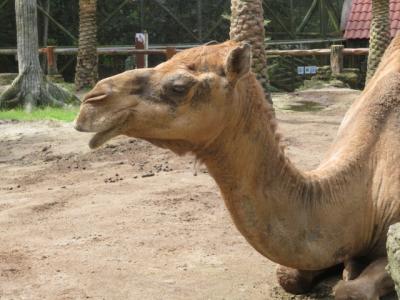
x: 100, y: 92
x: 92, y: 97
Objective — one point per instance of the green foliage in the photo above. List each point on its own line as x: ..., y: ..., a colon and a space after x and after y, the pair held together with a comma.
x: 291, y: 19
x: 117, y: 24
x: 159, y: 23
x: 47, y: 113
x: 7, y: 24
x: 167, y: 22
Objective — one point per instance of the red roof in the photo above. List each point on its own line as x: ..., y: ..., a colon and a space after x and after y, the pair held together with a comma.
x: 359, y: 21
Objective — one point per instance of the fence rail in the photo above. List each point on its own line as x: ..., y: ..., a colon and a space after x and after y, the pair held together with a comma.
x: 159, y: 51
x: 123, y: 51
x: 317, y: 52
x: 336, y: 53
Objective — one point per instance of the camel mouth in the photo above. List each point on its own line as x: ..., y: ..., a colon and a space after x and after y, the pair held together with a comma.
x: 100, y: 138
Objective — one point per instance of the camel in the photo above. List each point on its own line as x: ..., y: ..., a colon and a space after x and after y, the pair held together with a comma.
x: 206, y: 101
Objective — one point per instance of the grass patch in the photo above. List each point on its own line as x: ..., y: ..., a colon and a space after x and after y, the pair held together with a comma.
x: 48, y: 113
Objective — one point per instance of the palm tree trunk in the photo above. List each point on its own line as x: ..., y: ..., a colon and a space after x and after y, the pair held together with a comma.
x: 86, y: 68
x: 247, y: 24
x: 379, y: 34
x: 30, y: 88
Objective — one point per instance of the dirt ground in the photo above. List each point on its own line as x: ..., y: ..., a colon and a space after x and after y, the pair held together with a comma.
x: 131, y: 221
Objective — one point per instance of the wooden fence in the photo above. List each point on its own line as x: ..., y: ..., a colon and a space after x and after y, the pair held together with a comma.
x: 52, y: 52
x: 336, y: 54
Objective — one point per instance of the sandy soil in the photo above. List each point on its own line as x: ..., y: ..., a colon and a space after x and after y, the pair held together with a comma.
x: 131, y: 221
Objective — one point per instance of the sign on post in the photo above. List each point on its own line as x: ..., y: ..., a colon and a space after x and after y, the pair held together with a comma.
x: 307, y: 70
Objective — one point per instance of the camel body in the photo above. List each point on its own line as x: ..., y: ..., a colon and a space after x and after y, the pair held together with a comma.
x: 341, y: 210
x: 205, y: 101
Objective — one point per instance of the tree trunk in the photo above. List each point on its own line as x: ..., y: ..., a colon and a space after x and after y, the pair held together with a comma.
x: 86, y: 68
x: 247, y: 24
x: 379, y: 34
x: 30, y: 88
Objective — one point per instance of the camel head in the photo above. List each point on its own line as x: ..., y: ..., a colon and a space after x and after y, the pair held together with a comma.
x: 184, y: 101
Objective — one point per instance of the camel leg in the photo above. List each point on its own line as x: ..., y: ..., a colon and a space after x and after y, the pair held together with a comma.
x: 352, y: 269
x: 373, y: 283
x: 296, y: 281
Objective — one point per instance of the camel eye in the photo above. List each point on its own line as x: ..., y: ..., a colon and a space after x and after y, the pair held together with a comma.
x: 179, y: 88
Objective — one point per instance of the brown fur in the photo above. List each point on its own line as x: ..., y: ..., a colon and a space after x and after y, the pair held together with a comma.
x: 206, y: 101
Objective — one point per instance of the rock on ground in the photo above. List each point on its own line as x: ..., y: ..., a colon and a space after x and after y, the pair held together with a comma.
x: 393, y: 246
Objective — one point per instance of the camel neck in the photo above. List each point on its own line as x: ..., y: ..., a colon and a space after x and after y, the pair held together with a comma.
x: 247, y: 155
x: 277, y: 208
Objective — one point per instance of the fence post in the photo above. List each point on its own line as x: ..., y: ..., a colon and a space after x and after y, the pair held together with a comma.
x: 51, y: 61
x: 337, y: 59
x: 170, y: 52
x: 141, y: 42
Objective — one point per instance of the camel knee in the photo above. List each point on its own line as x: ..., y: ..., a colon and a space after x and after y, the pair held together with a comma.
x: 295, y: 281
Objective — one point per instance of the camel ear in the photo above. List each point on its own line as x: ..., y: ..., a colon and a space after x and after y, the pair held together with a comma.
x: 238, y: 62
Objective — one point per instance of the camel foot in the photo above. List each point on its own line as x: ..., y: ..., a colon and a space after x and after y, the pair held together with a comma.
x: 296, y: 281
x: 374, y: 282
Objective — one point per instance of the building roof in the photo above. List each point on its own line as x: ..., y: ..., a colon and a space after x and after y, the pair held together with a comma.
x: 359, y: 20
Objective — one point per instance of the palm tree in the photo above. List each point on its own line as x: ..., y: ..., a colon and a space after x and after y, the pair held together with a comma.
x: 247, y: 24
x: 86, y: 68
x: 379, y: 34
